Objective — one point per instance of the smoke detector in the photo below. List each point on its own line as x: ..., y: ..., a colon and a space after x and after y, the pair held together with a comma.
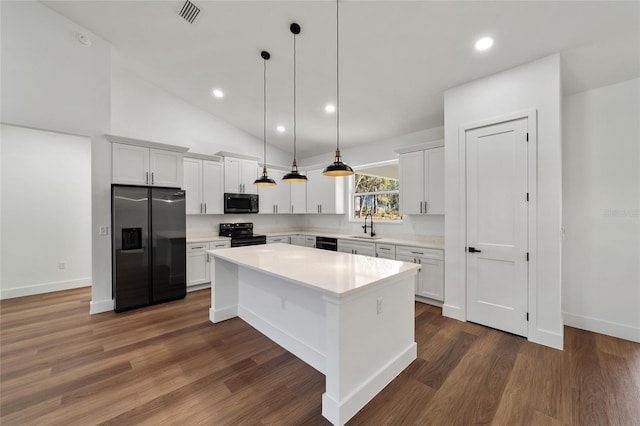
x: 189, y: 12
x: 83, y: 40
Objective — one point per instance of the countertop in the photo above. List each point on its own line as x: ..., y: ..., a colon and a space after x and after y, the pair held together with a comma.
x: 333, y: 273
x: 426, y: 242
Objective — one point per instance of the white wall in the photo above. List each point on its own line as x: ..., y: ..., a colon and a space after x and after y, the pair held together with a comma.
x: 142, y: 110
x: 532, y: 86
x: 50, y: 80
x: 46, y: 211
x: 601, y: 215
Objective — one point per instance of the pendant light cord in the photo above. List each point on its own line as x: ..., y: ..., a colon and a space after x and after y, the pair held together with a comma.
x: 294, y: 98
x: 337, y: 80
x: 264, y: 111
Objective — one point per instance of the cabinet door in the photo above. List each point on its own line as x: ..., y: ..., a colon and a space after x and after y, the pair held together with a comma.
x: 324, y: 193
x: 409, y: 259
x: 298, y: 240
x: 283, y: 239
x: 249, y: 173
x: 269, y: 194
x: 197, y: 266
x: 212, y: 196
x: 193, y: 185
x: 165, y: 168
x: 298, y: 192
x: 130, y: 164
x: 412, y: 182
x: 232, y: 175
x: 434, y: 163
x: 431, y: 279
x: 282, y: 198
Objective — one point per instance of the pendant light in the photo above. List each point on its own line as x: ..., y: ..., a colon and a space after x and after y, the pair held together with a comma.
x: 294, y: 175
x: 264, y: 180
x: 337, y: 168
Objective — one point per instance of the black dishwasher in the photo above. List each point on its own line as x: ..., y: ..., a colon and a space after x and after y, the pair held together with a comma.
x: 327, y: 243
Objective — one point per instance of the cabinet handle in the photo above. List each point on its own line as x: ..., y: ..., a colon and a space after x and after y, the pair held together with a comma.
x: 147, y: 178
x: 197, y: 247
x: 384, y: 248
x: 205, y: 207
x: 291, y: 208
x: 208, y: 261
x: 426, y: 207
x: 420, y: 207
x: 153, y: 181
x: 417, y: 252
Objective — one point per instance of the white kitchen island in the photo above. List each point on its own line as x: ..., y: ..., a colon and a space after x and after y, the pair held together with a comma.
x: 350, y: 317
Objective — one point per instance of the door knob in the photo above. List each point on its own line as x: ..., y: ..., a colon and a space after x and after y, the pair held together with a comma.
x: 474, y: 250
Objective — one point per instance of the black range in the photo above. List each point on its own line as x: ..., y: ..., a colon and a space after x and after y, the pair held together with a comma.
x: 241, y: 234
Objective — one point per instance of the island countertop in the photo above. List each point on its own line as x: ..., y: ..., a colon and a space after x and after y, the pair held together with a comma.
x: 334, y: 273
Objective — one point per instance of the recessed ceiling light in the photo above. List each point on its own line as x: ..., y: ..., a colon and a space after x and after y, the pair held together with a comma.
x: 218, y: 93
x: 280, y: 129
x: 330, y: 108
x: 484, y: 43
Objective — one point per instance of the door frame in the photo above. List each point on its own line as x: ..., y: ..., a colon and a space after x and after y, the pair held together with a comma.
x: 532, y: 208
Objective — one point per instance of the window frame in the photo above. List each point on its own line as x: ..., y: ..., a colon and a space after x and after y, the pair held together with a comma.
x: 351, y: 193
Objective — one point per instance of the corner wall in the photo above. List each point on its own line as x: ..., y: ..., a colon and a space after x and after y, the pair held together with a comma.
x: 601, y: 187
x: 533, y: 86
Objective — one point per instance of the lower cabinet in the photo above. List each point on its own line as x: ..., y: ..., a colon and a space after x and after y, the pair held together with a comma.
x: 198, y: 261
x: 357, y: 247
x: 303, y: 240
x: 431, y: 277
x: 386, y: 251
x: 283, y: 239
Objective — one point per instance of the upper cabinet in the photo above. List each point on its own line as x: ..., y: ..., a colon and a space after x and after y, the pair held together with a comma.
x: 137, y: 162
x: 422, y: 181
x: 325, y: 194
x: 203, y: 183
x: 275, y: 199
x: 298, y: 196
x: 239, y: 175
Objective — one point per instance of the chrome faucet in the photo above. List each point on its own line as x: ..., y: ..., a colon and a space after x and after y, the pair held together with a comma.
x: 365, y: 225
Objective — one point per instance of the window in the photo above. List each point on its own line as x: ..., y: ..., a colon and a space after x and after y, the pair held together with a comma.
x: 376, y: 190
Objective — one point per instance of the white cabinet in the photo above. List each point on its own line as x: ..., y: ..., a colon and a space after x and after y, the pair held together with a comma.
x: 198, y: 261
x: 298, y: 196
x: 325, y: 194
x: 430, y: 282
x: 275, y: 199
x: 141, y: 165
x: 357, y: 247
x: 303, y: 240
x: 283, y: 239
x: 386, y: 251
x: 203, y: 186
x: 422, y: 181
x: 239, y: 175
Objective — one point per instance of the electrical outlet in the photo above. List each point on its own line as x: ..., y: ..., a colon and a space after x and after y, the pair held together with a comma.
x: 379, y: 305
x: 62, y: 265
x: 103, y: 231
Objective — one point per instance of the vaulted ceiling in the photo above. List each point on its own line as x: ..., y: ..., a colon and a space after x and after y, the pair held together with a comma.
x: 396, y: 57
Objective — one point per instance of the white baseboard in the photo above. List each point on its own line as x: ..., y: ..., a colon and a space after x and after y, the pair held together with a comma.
x: 339, y: 412
x: 596, y: 325
x: 10, y: 293
x: 223, y: 314
x: 454, y: 312
x: 198, y: 287
x: 547, y: 338
x: 100, y: 306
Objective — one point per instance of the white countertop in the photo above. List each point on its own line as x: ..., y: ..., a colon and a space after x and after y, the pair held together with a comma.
x: 204, y: 237
x: 334, y: 273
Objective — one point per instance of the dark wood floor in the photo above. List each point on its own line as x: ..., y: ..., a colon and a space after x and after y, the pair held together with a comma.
x: 168, y: 364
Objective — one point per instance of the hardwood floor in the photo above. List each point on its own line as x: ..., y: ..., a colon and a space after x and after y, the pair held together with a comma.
x: 168, y: 364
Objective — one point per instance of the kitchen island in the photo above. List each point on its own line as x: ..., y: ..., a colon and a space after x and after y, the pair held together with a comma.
x: 350, y: 317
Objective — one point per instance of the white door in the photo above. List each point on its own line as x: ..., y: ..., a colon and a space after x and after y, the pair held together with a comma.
x: 166, y: 168
x: 434, y: 170
x: 212, y: 194
x: 497, y: 226
x: 232, y: 175
x: 412, y: 182
x: 130, y: 164
x: 249, y: 170
x: 193, y: 185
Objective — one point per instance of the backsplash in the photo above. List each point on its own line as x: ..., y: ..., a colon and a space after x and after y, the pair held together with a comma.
x: 412, y: 227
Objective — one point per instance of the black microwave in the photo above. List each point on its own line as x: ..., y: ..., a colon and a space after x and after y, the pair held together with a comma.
x: 240, y: 203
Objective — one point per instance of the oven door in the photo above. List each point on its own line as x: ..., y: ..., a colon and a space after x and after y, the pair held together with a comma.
x: 240, y: 203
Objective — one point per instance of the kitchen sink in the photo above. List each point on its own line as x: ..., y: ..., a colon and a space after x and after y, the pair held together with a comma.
x: 364, y: 237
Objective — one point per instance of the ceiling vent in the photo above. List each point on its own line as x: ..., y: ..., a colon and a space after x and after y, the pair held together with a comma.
x: 189, y: 12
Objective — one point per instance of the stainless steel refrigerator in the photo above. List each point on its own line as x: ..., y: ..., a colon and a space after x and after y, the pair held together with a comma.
x: 149, y: 245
